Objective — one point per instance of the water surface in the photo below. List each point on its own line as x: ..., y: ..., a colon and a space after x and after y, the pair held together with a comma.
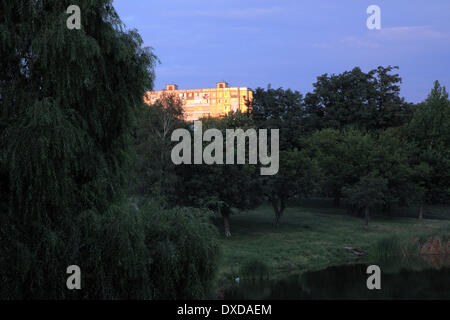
x: 399, y: 280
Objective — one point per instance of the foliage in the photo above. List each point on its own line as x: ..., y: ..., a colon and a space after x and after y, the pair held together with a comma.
x: 299, y: 175
x: 346, y: 156
x: 154, y: 170
x: 221, y: 187
x: 124, y: 253
x: 69, y: 100
x: 342, y: 156
x: 71, y: 111
x: 395, y: 246
x: 369, y: 192
x: 429, y: 133
x: 354, y: 99
x: 390, y: 161
x: 255, y: 270
x: 279, y: 109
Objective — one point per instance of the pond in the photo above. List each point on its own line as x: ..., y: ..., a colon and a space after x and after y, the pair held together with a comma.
x: 399, y: 280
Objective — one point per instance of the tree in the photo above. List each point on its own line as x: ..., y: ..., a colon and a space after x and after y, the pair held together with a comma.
x: 420, y: 179
x: 279, y: 109
x: 68, y: 100
x: 68, y: 106
x: 221, y: 187
x: 354, y: 99
x: 346, y: 156
x: 343, y: 157
x: 299, y: 175
x: 429, y: 134
x: 155, y: 172
x: 367, y: 193
x: 390, y: 161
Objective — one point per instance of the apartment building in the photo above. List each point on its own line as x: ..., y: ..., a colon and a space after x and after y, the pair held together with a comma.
x: 214, y: 102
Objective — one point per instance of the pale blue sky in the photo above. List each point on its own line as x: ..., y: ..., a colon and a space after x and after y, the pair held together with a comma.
x: 288, y: 43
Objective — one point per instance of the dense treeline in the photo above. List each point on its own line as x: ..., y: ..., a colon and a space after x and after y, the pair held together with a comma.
x: 70, y: 101
x: 353, y: 139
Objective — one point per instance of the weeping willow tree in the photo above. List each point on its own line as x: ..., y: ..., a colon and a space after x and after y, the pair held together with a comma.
x: 68, y: 100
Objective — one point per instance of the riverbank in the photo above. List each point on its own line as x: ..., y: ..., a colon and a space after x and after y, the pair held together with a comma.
x: 310, y: 238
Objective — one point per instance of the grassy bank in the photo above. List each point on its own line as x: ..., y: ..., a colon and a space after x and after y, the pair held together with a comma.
x: 311, y: 237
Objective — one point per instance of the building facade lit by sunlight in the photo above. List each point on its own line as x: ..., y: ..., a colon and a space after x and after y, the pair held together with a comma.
x: 214, y: 102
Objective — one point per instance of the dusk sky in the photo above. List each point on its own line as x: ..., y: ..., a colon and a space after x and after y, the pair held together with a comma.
x: 288, y: 43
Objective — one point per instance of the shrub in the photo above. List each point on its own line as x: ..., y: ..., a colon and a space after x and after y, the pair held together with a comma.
x: 394, y: 246
x: 254, y: 269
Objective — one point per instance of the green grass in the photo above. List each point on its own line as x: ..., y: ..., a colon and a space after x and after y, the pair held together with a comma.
x: 311, y: 238
x: 440, y: 212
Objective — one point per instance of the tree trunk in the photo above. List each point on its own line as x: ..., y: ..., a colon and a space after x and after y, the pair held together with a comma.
x: 337, y: 201
x: 277, y: 217
x: 278, y: 205
x: 387, y: 208
x: 421, y: 211
x: 226, y: 223
x: 366, y: 215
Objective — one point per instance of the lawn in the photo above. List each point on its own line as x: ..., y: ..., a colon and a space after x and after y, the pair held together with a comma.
x: 311, y: 237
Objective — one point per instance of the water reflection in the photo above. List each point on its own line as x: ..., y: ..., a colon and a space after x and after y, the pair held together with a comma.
x: 401, y: 279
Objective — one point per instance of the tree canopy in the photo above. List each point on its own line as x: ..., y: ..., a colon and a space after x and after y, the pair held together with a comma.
x: 354, y: 99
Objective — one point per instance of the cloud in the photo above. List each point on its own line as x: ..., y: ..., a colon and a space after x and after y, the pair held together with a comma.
x: 323, y: 45
x: 405, y: 37
x: 347, y: 42
x: 412, y: 33
x: 354, y: 42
